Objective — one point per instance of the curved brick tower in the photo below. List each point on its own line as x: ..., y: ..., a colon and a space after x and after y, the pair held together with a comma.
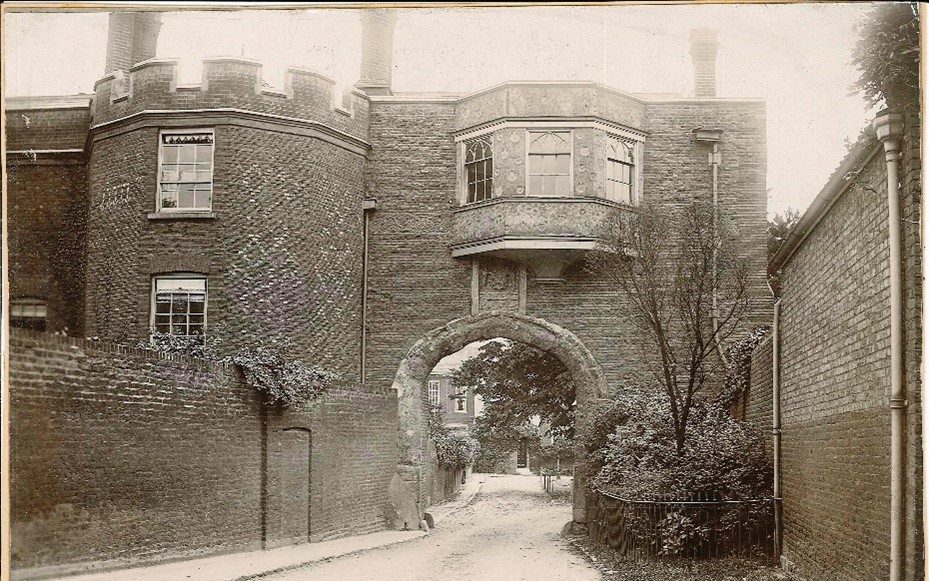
x: 224, y: 206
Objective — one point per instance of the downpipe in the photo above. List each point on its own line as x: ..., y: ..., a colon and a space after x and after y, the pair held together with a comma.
x: 776, y: 425
x: 889, y: 129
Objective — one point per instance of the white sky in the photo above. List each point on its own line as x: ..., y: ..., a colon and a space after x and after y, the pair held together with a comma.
x: 796, y: 57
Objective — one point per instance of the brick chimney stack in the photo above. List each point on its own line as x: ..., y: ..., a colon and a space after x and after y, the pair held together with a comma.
x: 703, y: 45
x: 131, y: 39
x: 377, y: 50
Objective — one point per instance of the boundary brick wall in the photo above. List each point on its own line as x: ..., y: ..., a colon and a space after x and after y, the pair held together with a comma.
x: 124, y: 457
x: 835, y: 338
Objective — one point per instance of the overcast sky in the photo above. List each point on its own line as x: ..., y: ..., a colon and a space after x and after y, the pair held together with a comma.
x: 795, y: 56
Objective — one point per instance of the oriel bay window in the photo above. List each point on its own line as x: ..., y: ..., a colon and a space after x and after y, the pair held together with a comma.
x: 549, y: 163
x: 179, y: 305
x: 479, y: 170
x: 185, y: 173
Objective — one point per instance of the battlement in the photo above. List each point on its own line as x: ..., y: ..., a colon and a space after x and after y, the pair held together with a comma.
x: 230, y: 82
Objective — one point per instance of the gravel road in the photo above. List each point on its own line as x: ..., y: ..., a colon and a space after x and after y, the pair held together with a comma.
x: 510, y: 532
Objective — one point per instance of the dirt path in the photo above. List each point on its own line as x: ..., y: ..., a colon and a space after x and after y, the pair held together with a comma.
x: 509, y: 532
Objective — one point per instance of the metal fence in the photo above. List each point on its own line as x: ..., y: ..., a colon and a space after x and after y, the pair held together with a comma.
x: 699, y: 527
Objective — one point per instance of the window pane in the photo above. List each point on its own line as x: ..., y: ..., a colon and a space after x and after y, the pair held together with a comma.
x: 186, y: 153
x: 169, y: 154
x: 478, y: 172
x: 563, y: 164
x: 204, y: 153
x: 202, y: 198
x: 623, y: 193
x: 163, y: 304
x: 472, y: 172
x: 548, y: 185
x: 203, y: 176
x: 535, y: 185
x: 562, y: 186
x: 186, y: 196
x: 169, y: 197
x: 548, y: 166
x: 535, y: 164
x: 188, y: 173
x: 170, y: 174
x: 196, y: 319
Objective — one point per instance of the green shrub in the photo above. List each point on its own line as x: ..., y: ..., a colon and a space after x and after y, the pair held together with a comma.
x: 452, y: 450
x: 722, y: 457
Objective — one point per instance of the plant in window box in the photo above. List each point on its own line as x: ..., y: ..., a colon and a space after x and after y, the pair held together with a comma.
x: 284, y: 381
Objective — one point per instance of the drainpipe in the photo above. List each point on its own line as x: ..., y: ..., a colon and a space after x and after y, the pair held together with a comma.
x: 776, y: 424
x: 368, y: 206
x: 712, y: 136
x: 889, y: 128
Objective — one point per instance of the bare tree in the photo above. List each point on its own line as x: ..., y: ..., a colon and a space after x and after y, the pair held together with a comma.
x: 685, y: 289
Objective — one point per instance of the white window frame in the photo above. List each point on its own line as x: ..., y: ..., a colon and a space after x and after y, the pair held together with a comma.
x: 29, y: 309
x: 434, y: 396
x: 570, y: 140
x: 158, y: 178
x: 489, y: 139
x: 180, y: 276
x: 633, y: 148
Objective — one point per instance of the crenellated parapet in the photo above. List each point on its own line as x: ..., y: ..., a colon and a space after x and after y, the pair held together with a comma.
x: 230, y: 83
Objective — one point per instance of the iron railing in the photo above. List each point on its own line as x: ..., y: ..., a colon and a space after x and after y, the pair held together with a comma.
x: 698, y: 527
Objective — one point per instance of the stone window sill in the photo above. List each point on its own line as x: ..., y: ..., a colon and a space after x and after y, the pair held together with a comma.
x: 181, y: 216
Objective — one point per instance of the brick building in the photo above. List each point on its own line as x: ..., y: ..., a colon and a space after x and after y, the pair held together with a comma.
x: 379, y: 231
x: 846, y: 355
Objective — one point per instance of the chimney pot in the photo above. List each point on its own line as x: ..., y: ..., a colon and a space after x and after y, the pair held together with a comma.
x: 377, y: 47
x: 131, y: 39
x: 703, y: 48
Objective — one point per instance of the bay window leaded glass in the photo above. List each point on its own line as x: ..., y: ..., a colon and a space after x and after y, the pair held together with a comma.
x: 550, y: 163
x: 620, y: 172
x: 185, y: 181
x: 180, y: 306
x: 479, y: 170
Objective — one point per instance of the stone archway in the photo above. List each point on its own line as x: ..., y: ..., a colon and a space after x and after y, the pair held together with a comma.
x: 453, y: 336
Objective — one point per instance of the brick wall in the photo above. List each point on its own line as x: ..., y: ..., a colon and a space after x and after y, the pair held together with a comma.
x: 756, y: 403
x: 46, y: 198
x: 123, y: 457
x: 835, y: 375
x: 676, y: 168
x: 282, y: 252
x: 410, y: 227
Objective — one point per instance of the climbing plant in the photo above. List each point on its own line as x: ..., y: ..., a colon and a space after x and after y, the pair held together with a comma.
x: 271, y: 370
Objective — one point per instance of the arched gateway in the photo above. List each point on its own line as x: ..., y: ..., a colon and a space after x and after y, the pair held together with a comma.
x: 436, y: 344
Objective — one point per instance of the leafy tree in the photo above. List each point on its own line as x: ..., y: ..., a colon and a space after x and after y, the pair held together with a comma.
x: 516, y: 382
x: 779, y: 227
x: 685, y: 289
x: 887, y: 54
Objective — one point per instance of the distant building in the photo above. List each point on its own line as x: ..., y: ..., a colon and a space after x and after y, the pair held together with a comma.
x: 457, y: 404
